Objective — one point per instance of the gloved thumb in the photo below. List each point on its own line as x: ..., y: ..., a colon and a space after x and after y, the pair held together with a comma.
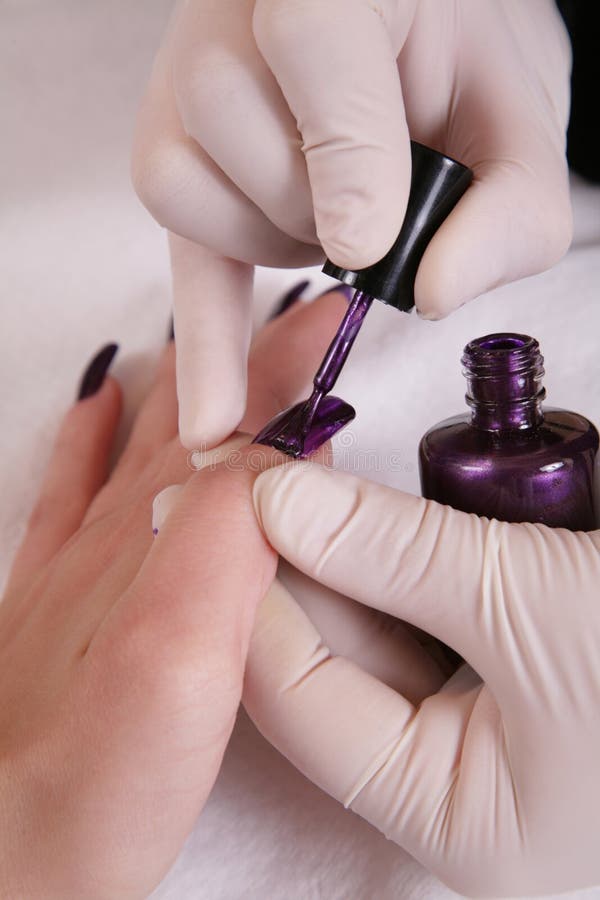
x: 477, y: 584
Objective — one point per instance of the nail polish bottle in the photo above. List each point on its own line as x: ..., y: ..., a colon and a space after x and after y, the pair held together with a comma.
x: 510, y: 458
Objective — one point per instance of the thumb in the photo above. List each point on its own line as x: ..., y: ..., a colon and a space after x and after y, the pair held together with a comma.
x: 367, y: 746
x: 459, y: 577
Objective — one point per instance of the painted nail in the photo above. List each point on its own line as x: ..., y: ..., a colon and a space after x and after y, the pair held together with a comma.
x: 162, y: 506
x: 287, y: 431
x: 346, y: 289
x: 289, y: 298
x: 172, y: 329
x: 95, y: 373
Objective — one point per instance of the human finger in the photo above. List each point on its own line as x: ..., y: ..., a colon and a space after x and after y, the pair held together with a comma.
x: 155, y: 425
x: 371, y: 749
x: 189, y: 194
x: 422, y: 562
x: 379, y: 643
x: 504, y: 113
x: 77, y: 470
x: 282, y: 361
x: 335, y: 62
x: 286, y: 354
x: 227, y: 96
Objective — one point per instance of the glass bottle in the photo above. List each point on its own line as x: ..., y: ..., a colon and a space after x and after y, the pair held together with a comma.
x: 510, y: 458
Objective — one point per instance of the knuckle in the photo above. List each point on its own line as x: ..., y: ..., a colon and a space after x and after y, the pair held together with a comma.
x: 159, y: 172
x: 206, y: 83
x: 186, y: 677
x: 277, y: 22
x: 558, y: 229
x: 353, y: 226
x: 548, y: 219
x: 180, y: 672
x: 493, y: 876
x: 43, y: 512
x: 348, y: 243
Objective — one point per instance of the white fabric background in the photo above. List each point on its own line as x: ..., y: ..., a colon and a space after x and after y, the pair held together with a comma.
x: 81, y: 263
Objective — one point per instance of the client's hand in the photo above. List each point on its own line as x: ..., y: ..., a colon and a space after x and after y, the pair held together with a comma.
x: 493, y: 781
x: 121, y: 656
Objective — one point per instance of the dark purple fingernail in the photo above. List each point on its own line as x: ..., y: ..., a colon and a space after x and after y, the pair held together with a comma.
x: 288, y: 431
x: 95, y: 373
x: 289, y: 298
x: 346, y: 289
x: 172, y: 329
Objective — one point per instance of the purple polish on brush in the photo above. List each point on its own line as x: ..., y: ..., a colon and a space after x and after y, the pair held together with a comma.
x: 437, y: 184
x: 303, y: 428
x: 289, y: 433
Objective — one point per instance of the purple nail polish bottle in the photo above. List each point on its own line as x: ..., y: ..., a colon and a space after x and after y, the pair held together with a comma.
x: 509, y: 458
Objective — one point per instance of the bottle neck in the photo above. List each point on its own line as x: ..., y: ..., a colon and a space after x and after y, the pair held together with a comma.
x: 504, y: 382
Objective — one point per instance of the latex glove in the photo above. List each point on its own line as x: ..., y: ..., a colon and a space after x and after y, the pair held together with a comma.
x: 122, y: 657
x: 275, y: 129
x: 492, y: 782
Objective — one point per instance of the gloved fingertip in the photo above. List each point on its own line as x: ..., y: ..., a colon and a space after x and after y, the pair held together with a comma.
x: 212, y: 420
x: 356, y: 232
x: 355, y: 246
x: 162, y: 506
x: 441, y: 285
x: 429, y: 315
x: 271, y: 484
x: 263, y: 484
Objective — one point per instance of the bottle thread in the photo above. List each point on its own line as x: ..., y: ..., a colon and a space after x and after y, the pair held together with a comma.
x: 504, y: 375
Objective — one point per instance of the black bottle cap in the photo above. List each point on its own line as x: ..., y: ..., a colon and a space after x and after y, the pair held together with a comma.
x: 437, y: 184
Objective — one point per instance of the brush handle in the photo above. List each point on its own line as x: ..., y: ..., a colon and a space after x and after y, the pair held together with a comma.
x: 340, y: 346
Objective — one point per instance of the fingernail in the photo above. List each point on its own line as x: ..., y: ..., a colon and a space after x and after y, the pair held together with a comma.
x: 162, y: 506
x: 94, y: 375
x: 172, y: 329
x: 286, y: 432
x: 428, y: 316
x: 289, y: 298
x: 346, y: 289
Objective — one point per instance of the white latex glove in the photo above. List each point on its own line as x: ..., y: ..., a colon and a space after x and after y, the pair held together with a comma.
x: 275, y: 129
x: 493, y: 781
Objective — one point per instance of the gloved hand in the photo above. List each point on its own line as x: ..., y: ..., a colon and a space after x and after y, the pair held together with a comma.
x: 492, y: 781
x: 275, y: 129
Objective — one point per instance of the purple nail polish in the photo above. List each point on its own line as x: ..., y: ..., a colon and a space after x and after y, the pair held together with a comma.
x: 94, y: 375
x: 155, y: 531
x: 511, y: 459
x: 300, y: 430
x: 172, y: 329
x: 311, y: 423
x: 289, y: 298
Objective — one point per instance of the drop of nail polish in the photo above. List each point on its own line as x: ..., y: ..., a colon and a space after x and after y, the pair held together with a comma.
x: 298, y: 433
x: 155, y: 531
